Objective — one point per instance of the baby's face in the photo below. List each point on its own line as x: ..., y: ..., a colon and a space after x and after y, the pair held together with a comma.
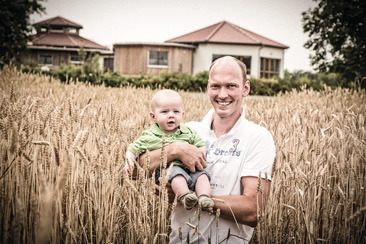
x: 168, y: 114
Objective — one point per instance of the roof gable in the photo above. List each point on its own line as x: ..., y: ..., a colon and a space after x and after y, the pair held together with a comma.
x: 64, y: 40
x: 58, y: 21
x: 225, y: 32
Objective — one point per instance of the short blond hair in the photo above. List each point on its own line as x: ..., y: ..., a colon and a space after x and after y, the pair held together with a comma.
x: 165, y: 92
x: 242, y: 66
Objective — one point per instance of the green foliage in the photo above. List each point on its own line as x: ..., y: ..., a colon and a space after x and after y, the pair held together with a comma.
x: 112, y: 79
x: 68, y: 72
x: 15, y: 27
x: 200, y: 81
x: 165, y: 79
x: 337, y: 33
x: 31, y: 67
x: 297, y: 80
x: 89, y: 72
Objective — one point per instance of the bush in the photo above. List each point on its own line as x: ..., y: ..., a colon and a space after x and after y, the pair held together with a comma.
x: 67, y: 72
x: 88, y: 72
x: 110, y: 79
x: 199, y: 81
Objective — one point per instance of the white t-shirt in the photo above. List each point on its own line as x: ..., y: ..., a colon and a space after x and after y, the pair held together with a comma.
x: 246, y: 150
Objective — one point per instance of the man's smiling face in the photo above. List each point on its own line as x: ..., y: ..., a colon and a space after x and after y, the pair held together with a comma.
x: 226, y: 88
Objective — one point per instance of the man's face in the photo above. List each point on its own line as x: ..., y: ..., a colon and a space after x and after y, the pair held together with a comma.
x: 226, y: 89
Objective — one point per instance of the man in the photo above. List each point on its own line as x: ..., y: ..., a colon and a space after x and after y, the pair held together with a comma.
x: 238, y: 151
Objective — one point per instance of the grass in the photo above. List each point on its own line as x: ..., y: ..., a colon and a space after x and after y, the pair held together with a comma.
x: 62, y: 150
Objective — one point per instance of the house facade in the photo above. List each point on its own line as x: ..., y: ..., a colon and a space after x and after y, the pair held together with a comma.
x: 194, y: 52
x: 58, y: 41
x: 263, y: 57
x: 263, y: 62
x: 152, y: 58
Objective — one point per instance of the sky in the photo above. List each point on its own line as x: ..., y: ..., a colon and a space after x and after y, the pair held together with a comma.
x: 108, y: 22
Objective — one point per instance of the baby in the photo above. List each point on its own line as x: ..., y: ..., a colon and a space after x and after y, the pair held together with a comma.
x: 167, y: 113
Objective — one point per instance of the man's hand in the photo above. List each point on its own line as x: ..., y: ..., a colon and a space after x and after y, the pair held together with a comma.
x: 191, y: 156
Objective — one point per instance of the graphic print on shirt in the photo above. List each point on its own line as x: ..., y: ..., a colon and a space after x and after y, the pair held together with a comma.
x: 235, y: 142
x: 222, y: 153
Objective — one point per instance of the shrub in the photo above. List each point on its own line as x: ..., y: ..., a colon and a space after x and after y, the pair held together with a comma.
x: 88, y: 72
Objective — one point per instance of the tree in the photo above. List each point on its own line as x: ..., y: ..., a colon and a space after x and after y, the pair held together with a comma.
x: 337, y: 31
x: 15, y: 27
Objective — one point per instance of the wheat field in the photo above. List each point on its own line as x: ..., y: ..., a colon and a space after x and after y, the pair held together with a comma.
x: 62, y: 150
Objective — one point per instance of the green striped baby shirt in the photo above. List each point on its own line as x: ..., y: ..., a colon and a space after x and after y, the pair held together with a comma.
x: 152, y: 138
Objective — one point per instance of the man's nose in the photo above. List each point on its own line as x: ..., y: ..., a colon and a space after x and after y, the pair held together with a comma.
x: 223, y: 93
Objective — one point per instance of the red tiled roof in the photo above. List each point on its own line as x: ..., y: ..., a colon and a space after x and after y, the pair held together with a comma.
x: 64, y: 40
x: 225, y: 32
x: 58, y: 21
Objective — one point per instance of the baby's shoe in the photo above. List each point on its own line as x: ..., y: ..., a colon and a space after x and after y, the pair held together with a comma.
x: 205, y: 202
x: 188, y: 200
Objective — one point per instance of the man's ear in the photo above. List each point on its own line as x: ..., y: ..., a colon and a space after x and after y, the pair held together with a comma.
x: 246, y: 88
x: 152, y: 116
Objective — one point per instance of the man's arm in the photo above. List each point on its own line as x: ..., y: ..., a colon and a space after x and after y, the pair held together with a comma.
x: 190, y: 155
x: 244, y: 206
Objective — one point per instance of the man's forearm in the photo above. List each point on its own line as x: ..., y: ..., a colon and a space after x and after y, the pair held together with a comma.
x: 244, y: 209
x: 155, y: 157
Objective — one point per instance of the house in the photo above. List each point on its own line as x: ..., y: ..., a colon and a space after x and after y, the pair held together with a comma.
x: 152, y: 58
x: 262, y: 56
x: 58, y: 41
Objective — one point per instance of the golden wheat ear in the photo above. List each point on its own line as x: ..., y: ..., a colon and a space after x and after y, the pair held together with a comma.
x: 51, y: 137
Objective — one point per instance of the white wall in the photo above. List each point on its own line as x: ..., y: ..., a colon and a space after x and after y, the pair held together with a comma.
x: 101, y: 63
x: 203, y: 56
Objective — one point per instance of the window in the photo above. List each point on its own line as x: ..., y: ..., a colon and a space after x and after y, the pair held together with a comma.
x: 45, y: 59
x: 270, y: 67
x: 56, y: 29
x: 76, y: 59
x: 72, y: 31
x: 158, y: 58
x: 245, y: 59
x: 108, y: 64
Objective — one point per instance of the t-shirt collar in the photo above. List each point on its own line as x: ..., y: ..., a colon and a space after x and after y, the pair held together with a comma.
x: 207, y: 120
x: 182, y: 129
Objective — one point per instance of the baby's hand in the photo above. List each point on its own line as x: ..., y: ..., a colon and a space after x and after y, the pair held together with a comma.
x: 129, y: 166
x: 130, y: 163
